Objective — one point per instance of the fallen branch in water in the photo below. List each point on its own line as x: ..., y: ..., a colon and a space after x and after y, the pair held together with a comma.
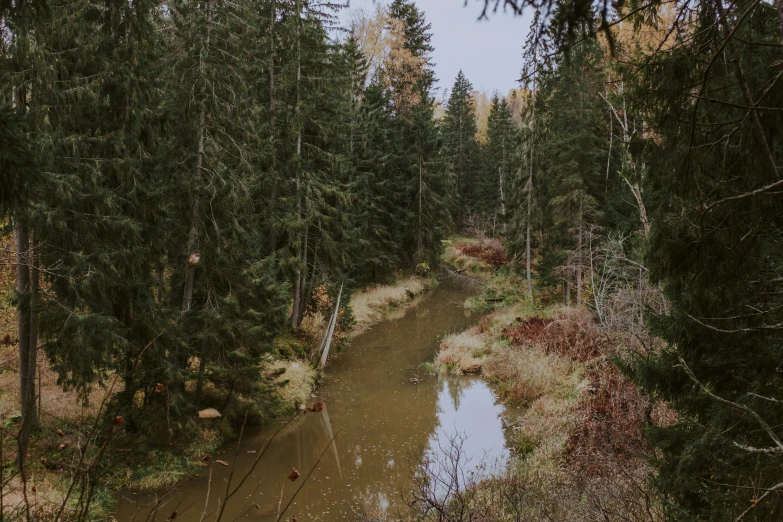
x: 456, y: 274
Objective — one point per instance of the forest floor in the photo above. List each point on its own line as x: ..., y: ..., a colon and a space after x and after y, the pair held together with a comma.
x: 578, y: 450
x: 66, y: 418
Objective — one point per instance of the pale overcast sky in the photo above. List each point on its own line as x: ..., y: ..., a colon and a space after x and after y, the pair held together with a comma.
x: 488, y: 52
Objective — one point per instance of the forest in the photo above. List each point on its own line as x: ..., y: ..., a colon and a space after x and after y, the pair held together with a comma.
x: 187, y: 187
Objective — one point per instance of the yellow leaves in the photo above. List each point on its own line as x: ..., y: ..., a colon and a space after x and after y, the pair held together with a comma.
x: 209, y: 413
x: 382, y: 41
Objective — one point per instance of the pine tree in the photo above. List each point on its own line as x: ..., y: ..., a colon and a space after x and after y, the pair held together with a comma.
x: 715, y: 247
x: 572, y: 162
x: 409, y: 75
x: 459, y: 145
x: 499, y: 159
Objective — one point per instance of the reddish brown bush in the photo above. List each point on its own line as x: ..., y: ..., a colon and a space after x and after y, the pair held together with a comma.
x: 529, y: 331
x: 613, y: 415
x: 613, y: 412
x: 573, y: 334
x: 490, y: 252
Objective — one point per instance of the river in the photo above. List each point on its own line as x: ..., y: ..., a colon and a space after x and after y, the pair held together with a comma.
x: 385, y: 413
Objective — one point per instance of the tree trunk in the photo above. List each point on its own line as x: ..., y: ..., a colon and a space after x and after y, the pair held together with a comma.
x: 187, y: 298
x: 308, y: 292
x: 298, y: 166
x: 502, y: 194
x: 193, y: 256
x: 528, y: 274
x: 303, y: 282
x: 272, y: 125
x: 579, y: 265
x: 26, y: 286
x: 420, y: 247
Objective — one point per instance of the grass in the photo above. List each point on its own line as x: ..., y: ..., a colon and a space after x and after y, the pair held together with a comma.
x: 578, y: 444
x: 297, y: 382
x: 462, y: 353
x: 374, y: 303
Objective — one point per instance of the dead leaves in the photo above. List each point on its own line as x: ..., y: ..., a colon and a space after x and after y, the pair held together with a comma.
x: 209, y: 413
x: 318, y: 406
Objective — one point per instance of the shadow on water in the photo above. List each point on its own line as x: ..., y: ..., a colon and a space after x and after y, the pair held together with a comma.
x: 386, y: 422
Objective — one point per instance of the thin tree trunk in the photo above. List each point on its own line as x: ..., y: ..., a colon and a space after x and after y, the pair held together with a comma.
x: 187, y: 298
x: 298, y: 167
x: 568, y: 292
x: 303, y: 283
x: 637, y: 193
x: 579, y: 265
x: 309, y: 286
x: 609, y: 156
x: 272, y: 124
x: 528, y: 268
x: 502, y: 194
x: 421, y: 209
x: 27, y: 354
x: 193, y: 235
x: 35, y: 285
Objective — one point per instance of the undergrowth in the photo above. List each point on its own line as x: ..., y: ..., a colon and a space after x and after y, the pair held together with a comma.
x: 579, y: 446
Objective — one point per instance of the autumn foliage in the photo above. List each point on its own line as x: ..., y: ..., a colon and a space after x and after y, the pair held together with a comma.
x: 612, y: 414
x: 489, y: 252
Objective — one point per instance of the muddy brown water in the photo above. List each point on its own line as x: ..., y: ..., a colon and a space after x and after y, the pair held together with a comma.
x: 385, y: 423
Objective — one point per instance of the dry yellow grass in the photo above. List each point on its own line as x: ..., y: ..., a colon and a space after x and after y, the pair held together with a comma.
x: 462, y: 353
x: 453, y: 256
x: 370, y: 305
x: 526, y: 374
x: 300, y: 378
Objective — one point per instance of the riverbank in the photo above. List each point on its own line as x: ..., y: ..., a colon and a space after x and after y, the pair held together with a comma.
x: 67, y: 421
x: 579, y: 451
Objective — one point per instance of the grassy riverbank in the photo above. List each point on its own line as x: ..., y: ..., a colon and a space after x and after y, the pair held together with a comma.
x: 579, y: 451
x: 67, y: 420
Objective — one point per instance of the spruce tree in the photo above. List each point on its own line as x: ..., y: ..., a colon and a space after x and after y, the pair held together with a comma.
x: 499, y: 160
x: 573, y: 162
x: 461, y: 149
x: 715, y: 247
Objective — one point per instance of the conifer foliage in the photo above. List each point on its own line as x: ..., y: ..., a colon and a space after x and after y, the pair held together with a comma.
x: 180, y: 179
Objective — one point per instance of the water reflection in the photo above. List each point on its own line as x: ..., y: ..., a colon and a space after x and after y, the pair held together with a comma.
x: 385, y: 424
